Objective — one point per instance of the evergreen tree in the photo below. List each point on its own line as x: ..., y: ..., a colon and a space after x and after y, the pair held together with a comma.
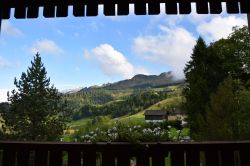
x: 36, y: 109
x: 196, y: 91
x: 203, y: 74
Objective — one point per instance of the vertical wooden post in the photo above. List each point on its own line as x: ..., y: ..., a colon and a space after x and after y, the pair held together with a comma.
x: 248, y: 20
x: 0, y: 24
x: 0, y: 20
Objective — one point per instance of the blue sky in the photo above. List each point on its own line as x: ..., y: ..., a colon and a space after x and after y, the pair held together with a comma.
x: 85, y: 51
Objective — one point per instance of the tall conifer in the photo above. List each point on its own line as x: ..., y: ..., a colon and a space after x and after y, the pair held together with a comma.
x: 36, y: 111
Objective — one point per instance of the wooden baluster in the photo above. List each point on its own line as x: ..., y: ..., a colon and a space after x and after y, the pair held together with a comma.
x: 41, y: 158
x: 74, y: 158
x: 140, y: 7
x: 158, y: 154
x: 202, y: 7
x: 171, y: 7
x: 212, y: 158
x: 92, y: 7
x: 20, y: 9
x: 108, y: 158
x: 5, y: 9
x: 154, y: 7
x: 158, y: 159
x: 23, y: 157
x: 0, y: 18
x: 33, y: 9
x: 78, y: 8
x: 184, y: 7
x: 89, y: 158
x: 55, y: 158
x: 123, y: 159
x: 177, y: 158
x: 142, y: 160
x: 109, y: 8
x: 62, y: 9
x: 215, y: 7
x: 123, y: 7
x: 49, y: 9
x: 9, y: 157
x: 143, y: 155
x: 227, y: 157
x: 232, y: 6
x: 192, y: 158
x: 244, y: 157
x: 244, y: 6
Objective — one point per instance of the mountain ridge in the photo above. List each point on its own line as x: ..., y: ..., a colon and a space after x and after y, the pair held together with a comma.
x: 144, y: 81
x: 139, y: 81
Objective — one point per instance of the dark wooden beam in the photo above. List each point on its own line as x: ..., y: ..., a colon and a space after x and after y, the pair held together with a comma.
x: 59, y: 8
x: 0, y: 19
x: 248, y: 20
x: 0, y: 25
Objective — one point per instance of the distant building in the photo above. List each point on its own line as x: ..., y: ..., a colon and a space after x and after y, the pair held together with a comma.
x: 161, y: 115
x: 155, y: 115
x: 177, y: 114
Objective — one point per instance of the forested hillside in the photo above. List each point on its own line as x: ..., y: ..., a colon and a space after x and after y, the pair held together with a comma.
x: 124, y: 97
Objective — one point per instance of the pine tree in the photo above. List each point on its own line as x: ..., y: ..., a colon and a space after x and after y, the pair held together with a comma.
x: 203, y: 74
x: 36, y: 108
x: 196, y: 89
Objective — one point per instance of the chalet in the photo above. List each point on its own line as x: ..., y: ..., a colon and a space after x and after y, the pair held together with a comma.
x: 155, y: 115
x: 161, y: 115
x: 176, y: 113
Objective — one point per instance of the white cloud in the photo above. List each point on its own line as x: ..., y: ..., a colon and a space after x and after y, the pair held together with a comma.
x: 59, y: 32
x: 3, y: 95
x: 172, y: 47
x: 219, y: 27
x: 46, y: 46
x: 9, y: 30
x: 210, y: 26
x: 112, y: 62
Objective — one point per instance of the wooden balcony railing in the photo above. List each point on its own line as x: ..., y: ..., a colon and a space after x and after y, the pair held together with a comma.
x: 122, y: 154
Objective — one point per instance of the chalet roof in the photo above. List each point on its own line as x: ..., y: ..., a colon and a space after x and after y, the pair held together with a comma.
x: 155, y: 112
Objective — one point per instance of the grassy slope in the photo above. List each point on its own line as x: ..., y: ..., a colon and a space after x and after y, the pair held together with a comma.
x: 167, y: 103
x: 79, y: 123
x: 138, y: 117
